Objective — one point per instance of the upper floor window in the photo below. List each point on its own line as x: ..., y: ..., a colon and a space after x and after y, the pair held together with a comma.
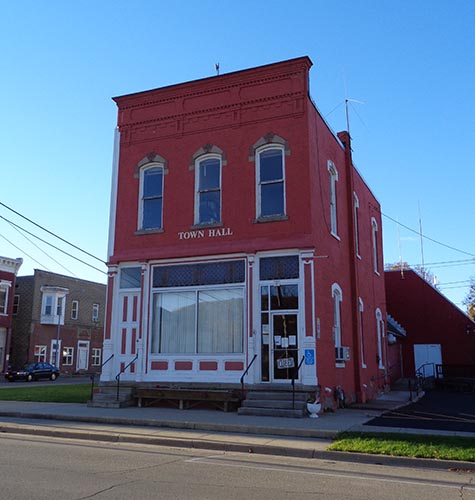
x: 95, y: 312
x: 374, y: 237
x: 270, y: 166
x: 74, y: 309
x: 151, y: 197
x: 333, y: 209
x: 356, y: 206
x: 208, y: 190
x: 16, y: 304
x: 53, y: 304
x: 4, y: 287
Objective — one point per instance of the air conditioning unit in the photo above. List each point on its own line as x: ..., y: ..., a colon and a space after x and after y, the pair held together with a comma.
x: 342, y: 353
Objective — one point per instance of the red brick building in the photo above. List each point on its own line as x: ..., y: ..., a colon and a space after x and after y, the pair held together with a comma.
x: 437, y: 331
x: 240, y: 229
x: 60, y: 320
x: 8, y: 271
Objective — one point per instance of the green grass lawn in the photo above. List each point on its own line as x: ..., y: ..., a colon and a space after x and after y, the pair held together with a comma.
x: 71, y: 393
x: 407, y: 445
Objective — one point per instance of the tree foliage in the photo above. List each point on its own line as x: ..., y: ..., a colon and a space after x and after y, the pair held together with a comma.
x: 469, y: 300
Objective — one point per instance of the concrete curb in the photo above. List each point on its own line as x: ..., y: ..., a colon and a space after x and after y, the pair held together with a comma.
x: 197, y: 426
x: 227, y: 446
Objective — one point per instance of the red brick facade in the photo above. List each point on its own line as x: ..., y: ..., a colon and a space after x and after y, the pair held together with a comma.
x: 8, y: 271
x: 272, y: 206
x: 430, y: 319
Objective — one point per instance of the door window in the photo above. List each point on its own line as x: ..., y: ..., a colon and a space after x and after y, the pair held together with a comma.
x: 279, y: 332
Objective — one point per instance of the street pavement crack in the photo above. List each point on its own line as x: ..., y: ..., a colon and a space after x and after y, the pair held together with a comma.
x: 114, y: 486
x: 468, y: 483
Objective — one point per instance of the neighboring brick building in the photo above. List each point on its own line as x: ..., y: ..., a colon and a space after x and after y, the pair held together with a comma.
x: 8, y: 271
x: 53, y: 309
x: 241, y: 229
x: 437, y: 331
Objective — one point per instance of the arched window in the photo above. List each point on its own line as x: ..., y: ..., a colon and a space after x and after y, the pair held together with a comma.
x: 333, y: 210
x: 208, y: 189
x: 356, y: 206
x: 361, y: 329
x: 380, y: 333
x: 374, y: 237
x: 270, y: 179
x: 151, y: 197
x: 337, y: 297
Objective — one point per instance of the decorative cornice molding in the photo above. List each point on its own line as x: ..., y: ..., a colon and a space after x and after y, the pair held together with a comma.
x: 8, y: 265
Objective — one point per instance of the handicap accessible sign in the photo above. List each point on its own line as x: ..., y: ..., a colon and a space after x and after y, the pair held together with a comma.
x: 309, y: 356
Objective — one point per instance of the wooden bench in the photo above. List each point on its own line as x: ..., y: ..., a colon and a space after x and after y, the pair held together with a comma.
x: 187, y: 398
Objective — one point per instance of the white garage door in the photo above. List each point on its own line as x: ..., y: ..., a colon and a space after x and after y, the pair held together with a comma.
x: 426, y: 356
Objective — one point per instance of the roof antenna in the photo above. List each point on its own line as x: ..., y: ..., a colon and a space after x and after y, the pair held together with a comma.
x: 422, y: 242
x: 401, y: 266
x: 216, y: 67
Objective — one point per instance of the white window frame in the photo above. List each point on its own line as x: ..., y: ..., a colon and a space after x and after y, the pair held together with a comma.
x: 4, y: 290
x: 333, y: 173
x: 96, y: 356
x: 258, y: 153
x: 67, y: 356
x: 198, y: 162
x: 53, y: 305
x: 95, y: 313
x: 39, y: 353
x: 337, y: 298
x: 356, y: 206
x: 381, y: 336
x: 140, y: 223
x: 374, y: 239
x: 196, y: 290
x: 74, y: 309
x: 361, y: 329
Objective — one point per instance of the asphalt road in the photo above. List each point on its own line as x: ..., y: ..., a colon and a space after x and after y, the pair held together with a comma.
x: 436, y: 410
x: 45, y: 468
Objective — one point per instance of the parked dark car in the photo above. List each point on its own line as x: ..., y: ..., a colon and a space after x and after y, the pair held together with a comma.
x: 33, y: 371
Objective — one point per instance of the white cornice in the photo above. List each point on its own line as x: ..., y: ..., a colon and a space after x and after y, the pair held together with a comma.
x: 10, y: 265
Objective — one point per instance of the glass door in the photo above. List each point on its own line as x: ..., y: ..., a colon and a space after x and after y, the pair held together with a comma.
x: 284, y: 346
x: 279, y: 331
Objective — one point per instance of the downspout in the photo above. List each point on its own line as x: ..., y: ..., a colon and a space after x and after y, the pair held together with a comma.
x: 345, y: 139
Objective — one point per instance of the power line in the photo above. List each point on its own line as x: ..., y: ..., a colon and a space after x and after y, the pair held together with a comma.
x: 55, y: 247
x: 427, y: 237
x: 41, y: 250
x: 22, y: 251
x: 53, y: 234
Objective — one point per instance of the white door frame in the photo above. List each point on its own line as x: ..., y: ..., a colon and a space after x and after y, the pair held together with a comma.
x: 84, y: 347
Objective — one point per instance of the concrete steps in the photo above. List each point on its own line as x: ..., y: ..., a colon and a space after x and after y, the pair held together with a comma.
x: 278, y: 403
x: 107, y: 397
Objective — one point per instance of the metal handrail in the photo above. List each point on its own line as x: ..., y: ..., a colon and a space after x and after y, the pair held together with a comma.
x: 117, y: 377
x: 244, y: 374
x: 294, y: 376
x: 421, y: 371
x: 93, y: 376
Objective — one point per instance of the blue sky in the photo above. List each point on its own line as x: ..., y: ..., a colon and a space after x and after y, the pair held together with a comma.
x: 410, y: 63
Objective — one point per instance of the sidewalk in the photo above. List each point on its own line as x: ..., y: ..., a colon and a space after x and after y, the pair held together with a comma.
x: 205, y: 429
